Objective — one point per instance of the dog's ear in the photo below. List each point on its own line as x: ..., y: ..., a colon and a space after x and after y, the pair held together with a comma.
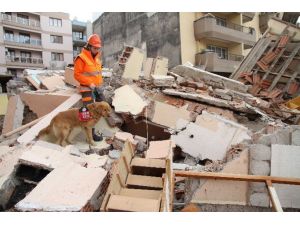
x: 91, y: 107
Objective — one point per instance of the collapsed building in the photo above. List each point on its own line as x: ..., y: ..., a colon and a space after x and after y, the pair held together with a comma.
x: 175, y: 137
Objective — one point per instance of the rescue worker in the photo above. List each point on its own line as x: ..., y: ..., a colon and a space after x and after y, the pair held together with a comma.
x: 88, y: 72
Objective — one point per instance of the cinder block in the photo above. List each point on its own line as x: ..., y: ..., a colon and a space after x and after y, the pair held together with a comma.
x: 260, y: 199
x: 258, y: 187
x: 260, y: 152
x: 281, y: 137
x: 260, y: 167
x: 296, y: 137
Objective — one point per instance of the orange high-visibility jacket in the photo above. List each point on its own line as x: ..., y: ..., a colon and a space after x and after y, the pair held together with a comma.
x: 87, y: 70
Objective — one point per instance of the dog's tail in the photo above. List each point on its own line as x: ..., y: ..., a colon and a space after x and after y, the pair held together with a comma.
x: 46, y: 130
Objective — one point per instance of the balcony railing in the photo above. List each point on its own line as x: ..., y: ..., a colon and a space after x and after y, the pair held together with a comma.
x: 31, y: 41
x: 226, y: 56
x: 23, y: 60
x: 20, y: 21
x: 221, y: 22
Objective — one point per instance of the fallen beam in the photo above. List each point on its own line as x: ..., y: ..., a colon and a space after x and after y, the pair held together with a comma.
x: 274, y: 197
x: 236, y: 177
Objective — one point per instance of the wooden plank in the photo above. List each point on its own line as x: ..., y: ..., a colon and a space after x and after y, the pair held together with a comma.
x: 285, y: 66
x: 127, y: 151
x: 3, y: 104
x: 274, y: 197
x: 149, y: 163
x: 141, y: 193
x: 33, y: 132
x: 126, y: 164
x: 236, y: 177
x: 132, y: 204
x: 145, y: 182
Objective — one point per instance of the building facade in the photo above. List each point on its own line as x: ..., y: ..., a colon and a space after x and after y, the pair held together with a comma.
x: 80, y: 32
x: 35, y: 41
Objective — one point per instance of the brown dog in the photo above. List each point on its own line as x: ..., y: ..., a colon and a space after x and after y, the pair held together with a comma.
x: 64, y: 122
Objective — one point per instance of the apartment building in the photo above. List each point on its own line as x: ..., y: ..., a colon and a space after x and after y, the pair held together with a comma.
x: 80, y: 32
x: 34, y: 40
x: 216, y: 42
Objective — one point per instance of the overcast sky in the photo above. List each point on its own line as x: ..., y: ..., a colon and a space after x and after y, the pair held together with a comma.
x: 84, y: 16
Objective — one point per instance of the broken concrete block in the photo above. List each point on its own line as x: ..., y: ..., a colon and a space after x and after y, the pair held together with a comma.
x: 286, y: 163
x: 126, y: 100
x: 211, y: 79
x: 163, y: 111
x: 68, y: 188
x: 200, y: 133
x: 260, y: 199
x: 258, y: 187
x: 69, y: 77
x: 114, y: 154
x: 260, y: 168
x: 260, y: 152
x: 163, y: 80
x: 96, y: 161
x: 103, y: 127
x: 225, y: 192
x: 141, y: 143
x: 48, y: 159
x: 134, y: 63
x: 159, y: 149
x: 223, y: 93
x: 53, y: 82
x: 114, y: 120
x: 120, y: 138
x: 296, y: 137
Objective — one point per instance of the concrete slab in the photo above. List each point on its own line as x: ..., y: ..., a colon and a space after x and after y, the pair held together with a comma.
x: 286, y: 163
x: 225, y: 192
x: 213, y: 133
x: 168, y: 115
x: 296, y: 137
x: 48, y: 159
x: 126, y: 100
x: 159, y: 149
x: 133, y: 66
x: 68, y: 188
x: 163, y: 80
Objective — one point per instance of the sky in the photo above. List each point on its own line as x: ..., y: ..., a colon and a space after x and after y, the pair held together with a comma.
x: 84, y: 16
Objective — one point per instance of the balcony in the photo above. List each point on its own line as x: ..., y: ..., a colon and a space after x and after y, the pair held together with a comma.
x: 79, y: 41
x: 20, y: 22
x: 213, y: 63
x: 24, y: 61
x: 248, y: 16
x: 210, y: 27
x: 25, y: 43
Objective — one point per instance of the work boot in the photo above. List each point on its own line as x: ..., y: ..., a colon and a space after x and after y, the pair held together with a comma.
x: 96, y: 137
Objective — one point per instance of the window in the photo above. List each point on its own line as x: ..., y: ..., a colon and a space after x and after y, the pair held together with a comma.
x: 24, y: 38
x: 222, y: 52
x: 25, y: 57
x: 12, y: 72
x: 77, y: 35
x: 10, y: 54
x: 55, y: 22
x: 221, y: 21
x: 56, y: 39
x: 23, y: 19
x: 57, y: 56
x: 9, y: 35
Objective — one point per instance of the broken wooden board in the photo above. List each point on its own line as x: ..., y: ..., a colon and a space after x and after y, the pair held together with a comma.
x: 144, y: 182
x: 225, y: 192
x: 119, y: 203
x: 209, y: 137
x: 3, y: 104
x: 14, y: 116
x: 133, y: 66
x: 42, y: 104
x: 53, y: 82
x: 69, y: 77
x: 66, y: 189
x: 126, y: 100
x: 159, y: 149
x: 285, y: 162
x: 33, y: 131
x: 141, y: 193
x: 167, y: 115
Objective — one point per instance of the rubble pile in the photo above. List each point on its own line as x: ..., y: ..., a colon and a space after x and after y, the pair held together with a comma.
x: 183, y: 119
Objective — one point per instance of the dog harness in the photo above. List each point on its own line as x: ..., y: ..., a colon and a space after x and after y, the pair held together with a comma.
x: 84, y: 114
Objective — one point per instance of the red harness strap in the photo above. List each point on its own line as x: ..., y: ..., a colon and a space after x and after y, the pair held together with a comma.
x: 84, y: 114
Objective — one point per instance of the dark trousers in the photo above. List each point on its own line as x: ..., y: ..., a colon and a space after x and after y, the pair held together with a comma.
x: 92, y: 96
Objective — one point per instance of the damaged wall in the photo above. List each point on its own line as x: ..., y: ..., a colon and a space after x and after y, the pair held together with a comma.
x: 159, y: 31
